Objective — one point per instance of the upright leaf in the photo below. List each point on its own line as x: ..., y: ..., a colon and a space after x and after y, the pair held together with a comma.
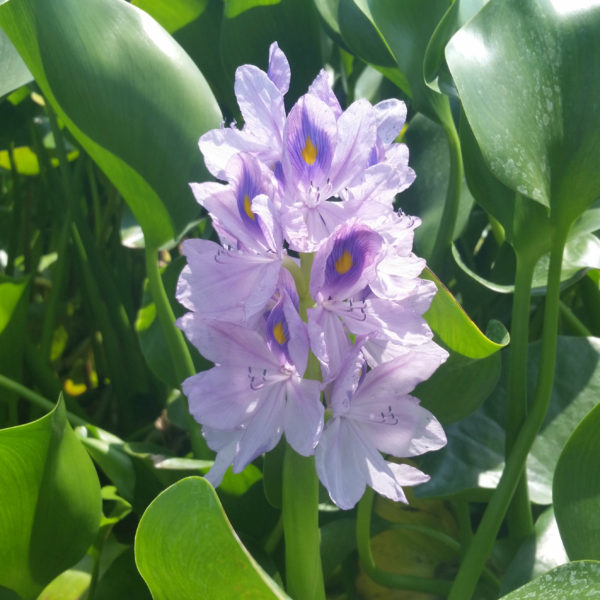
x: 50, y: 505
x: 14, y: 72
x: 526, y: 73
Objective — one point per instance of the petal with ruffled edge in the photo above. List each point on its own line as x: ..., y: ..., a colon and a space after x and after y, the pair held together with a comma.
x: 279, y: 68
x: 390, y: 115
x: 226, y: 285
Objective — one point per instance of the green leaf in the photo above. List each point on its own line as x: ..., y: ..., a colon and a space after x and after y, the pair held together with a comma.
x: 576, y: 490
x: 14, y: 72
x: 526, y: 74
x: 426, y: 197
x: 175, y: 14
x: 129, y: 94
x: 186, y: 549
x: 537, y: 554
x: 459, y: 386
x: 573, y: 581
x: 50, y: 505
x: 454, y: 327
x: 233, y: 8
x: 405, y: 27
x: 474, y: 456
x: 294, y: 24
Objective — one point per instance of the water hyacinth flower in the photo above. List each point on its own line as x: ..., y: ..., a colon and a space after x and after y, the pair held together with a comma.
x: 312, y: 290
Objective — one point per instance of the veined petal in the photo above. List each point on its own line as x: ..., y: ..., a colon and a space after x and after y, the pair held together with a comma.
x: 390, y: 115
x: 226, y: 285
x: 337, y: 458
x: 357, y: 134
x: 309, y: 143
x: 279, y: 68
x: 221, y: 397
x: 264, y: 430
x: 261, y: 104
x: 328, y: 341
x: 346, y: 262
x: 303, y: 415
x: 229, y: 344
x: 321, y: 88
x: 225, y: 444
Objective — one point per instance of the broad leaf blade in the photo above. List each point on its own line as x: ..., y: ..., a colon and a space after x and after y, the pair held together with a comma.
x: 526, y: 73
x: 576, y: 490
x: 129, y: 94
x: 50, y: 506
x: 186, y: 549
x: 14, y: 72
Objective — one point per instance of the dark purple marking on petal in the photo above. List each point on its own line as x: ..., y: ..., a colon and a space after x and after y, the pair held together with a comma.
x: 350, y: 254
x: 277, y: 332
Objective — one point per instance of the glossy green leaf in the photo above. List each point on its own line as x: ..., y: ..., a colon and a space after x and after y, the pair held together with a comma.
x: 50, y: 505
x: 122, y: 580
x: 573, y: 581
x: 233, y: 8
x: 175, y: 14
x: 294, y: 24
x: 406, y: 27
x: 186, y: 549
x: 14, y: 72
x: 537, y: 554
x: 474, y: 455
x: 525, y: 73
x: 435, y: 69
x: 459, y: 386
x: 576, y: 490
x: 129, y: 94
x: 425, y: 198
x: 454, y: 327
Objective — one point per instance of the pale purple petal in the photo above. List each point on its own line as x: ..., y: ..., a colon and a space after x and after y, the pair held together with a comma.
x: 279, y: 68
x: 391, y: 115
x: 303, y: 415
x: 321, y: 88
x: 328, y: 341
x: 298, y: 345
x: 226, y: 285
x: 221, y: 397
x: 336, y: 459
x: 264, y: 430
x: 225, y: 444
x: 407, y: 475
x: 309, y: 143
x: 357, y: 133
x: 346, y: 262
x: 261, y: 104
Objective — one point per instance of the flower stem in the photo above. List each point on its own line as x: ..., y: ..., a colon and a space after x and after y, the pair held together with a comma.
x: 301, y: 527
x: 474, y: 560
x: 176, y: 345
x: 519, y: 518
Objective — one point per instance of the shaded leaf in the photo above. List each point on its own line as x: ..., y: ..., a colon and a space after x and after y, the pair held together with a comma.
x: 14, y: 72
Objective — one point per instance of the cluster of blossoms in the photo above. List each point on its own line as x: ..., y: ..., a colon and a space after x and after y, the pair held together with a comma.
x: 313, y: 291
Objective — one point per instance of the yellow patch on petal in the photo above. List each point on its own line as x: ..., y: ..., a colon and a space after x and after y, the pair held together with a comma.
x: 309, y: 152
x: 344, y: 263
x: 248, y: 207
x: 279, y: 334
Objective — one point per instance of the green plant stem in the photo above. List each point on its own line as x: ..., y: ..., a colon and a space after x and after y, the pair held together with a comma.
x: 392, y: 580
x: 483, y: 541
x: 573, y: 321
x: 445, y: 232
x: 36, y: 399
x: 462, y: 513
x: 176, y: 345
x: 300, y: 506
x: 519, y: 517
